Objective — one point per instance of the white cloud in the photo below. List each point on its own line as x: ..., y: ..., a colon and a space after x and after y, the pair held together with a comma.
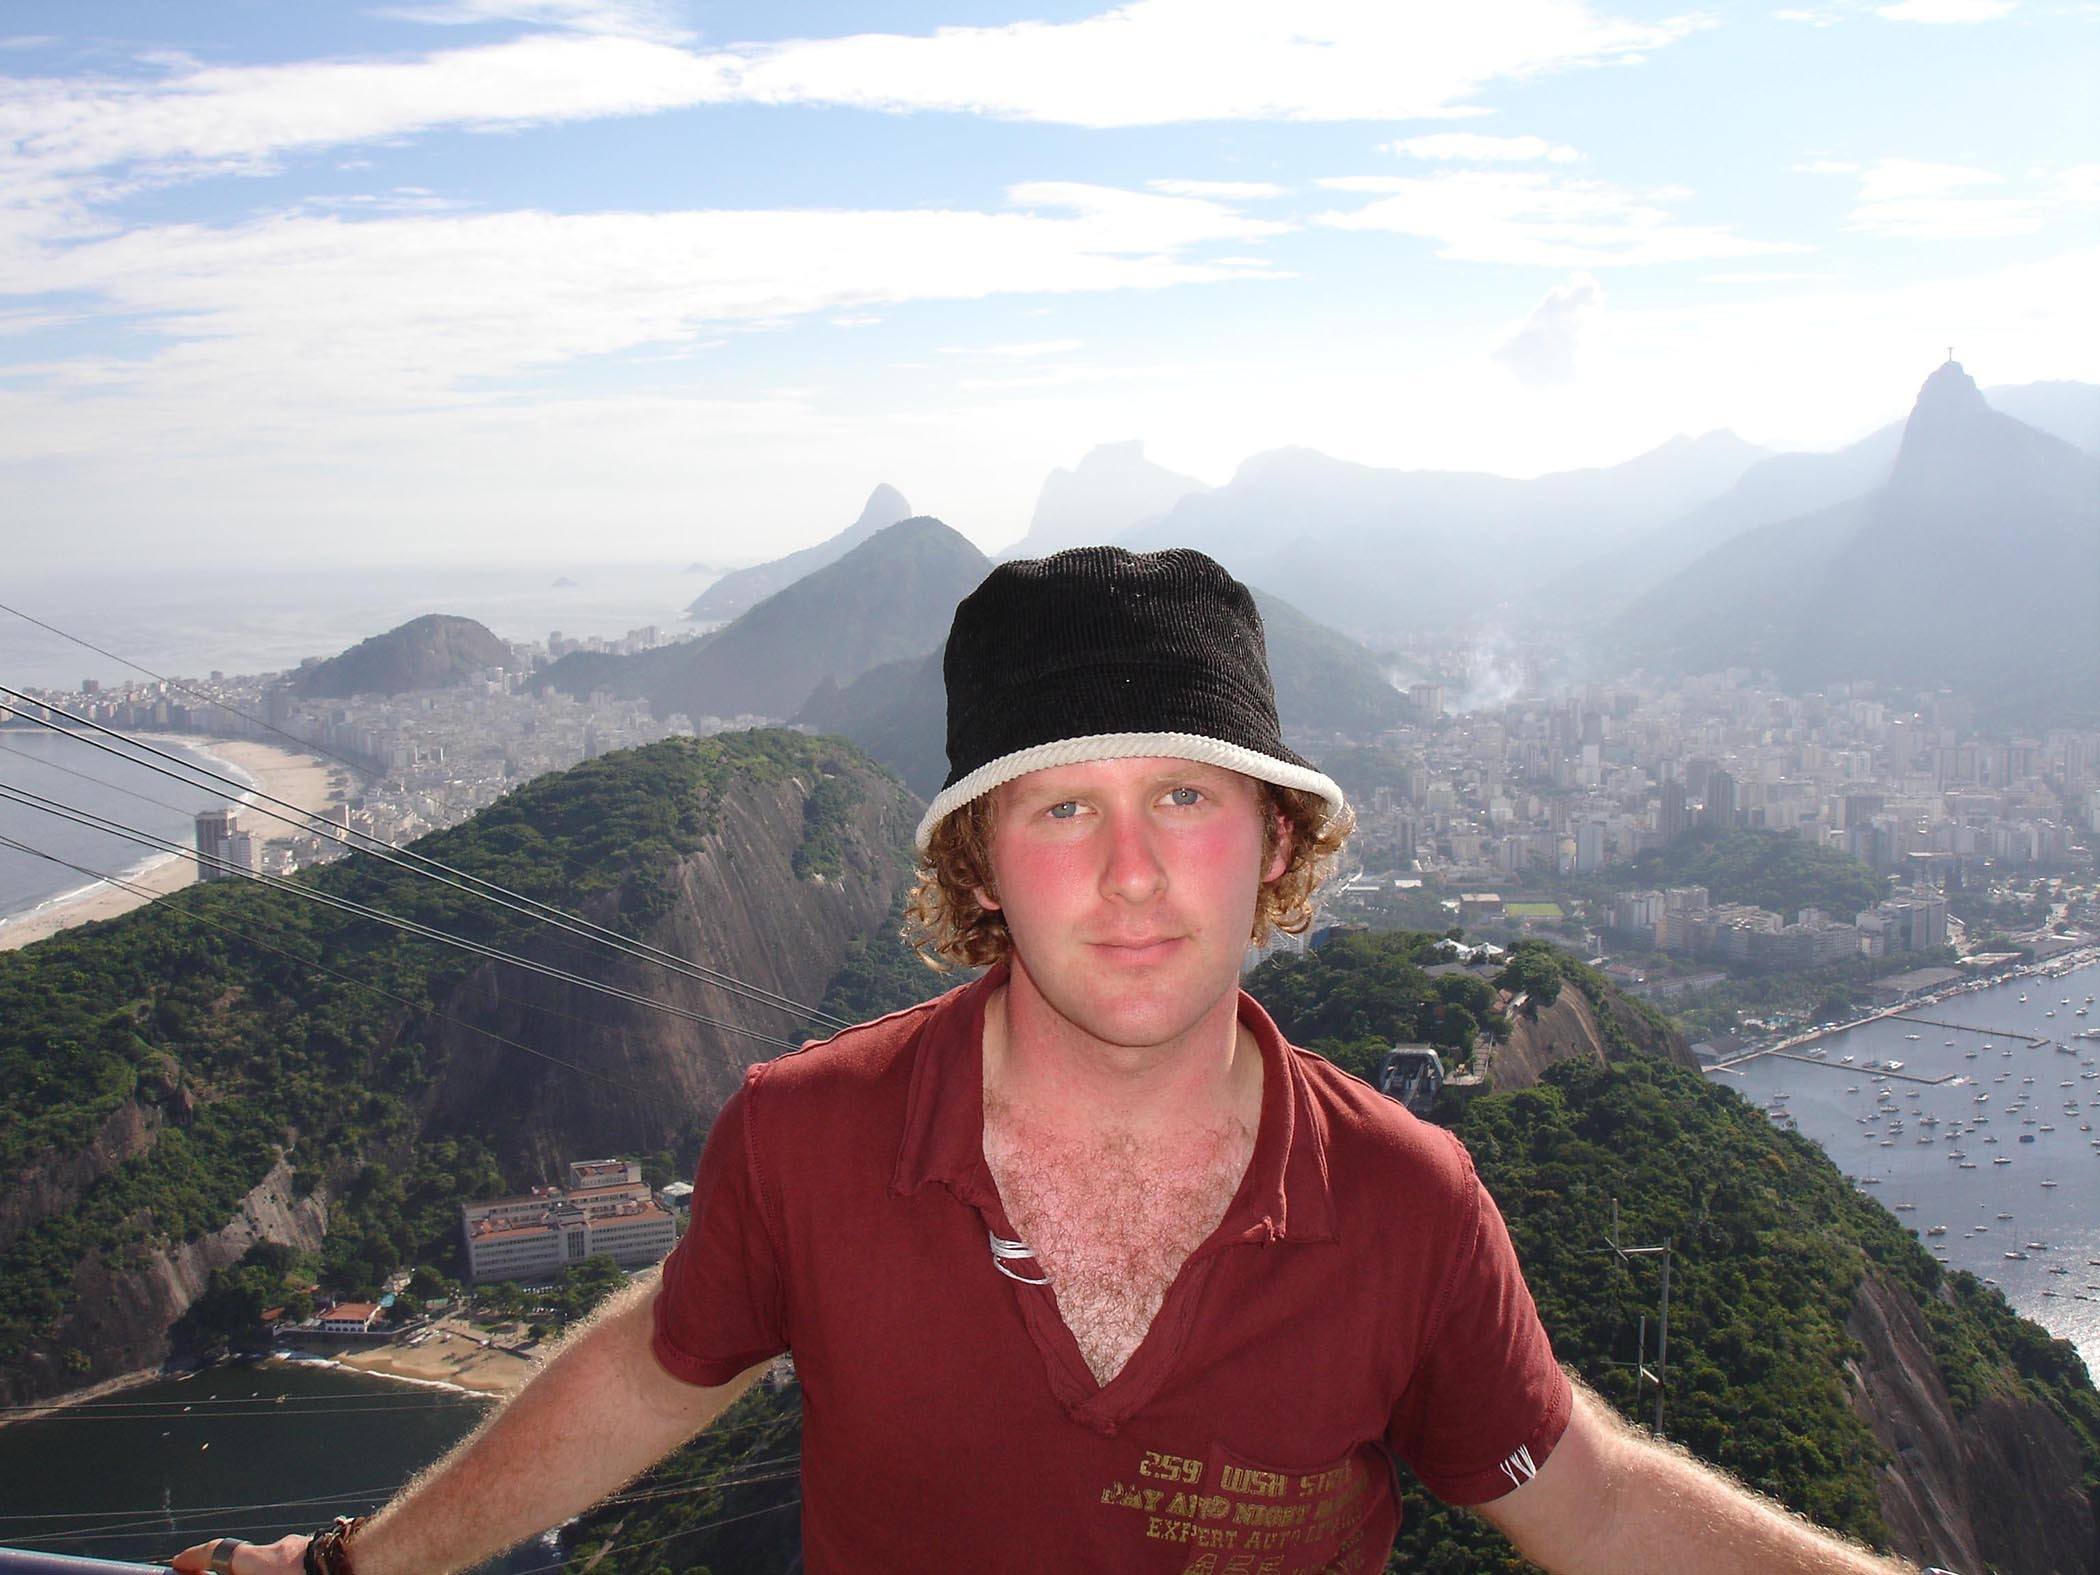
x: 1898, y: 180
x: 1157, y: 62
x: 1030, y: 350
x: 1472, y: 148
x: 2078, y: 184
x: 1946, y: 10
x: 1913, y: 199
x: 1219, y: 190
x: 1766, y: 278
x: 312, y: 312
x: 638, y: 17
x: 1544, y: 349
x: 1534, y: 218
x: 208, y: 119
x: 1321, y: 60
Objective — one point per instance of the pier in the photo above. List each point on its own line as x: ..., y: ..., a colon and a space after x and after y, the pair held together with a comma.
x: 2029, y: 1040
x: 1853, y: 1068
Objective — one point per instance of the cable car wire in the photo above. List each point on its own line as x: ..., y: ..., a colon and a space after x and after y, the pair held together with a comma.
x: 391, y: 853
x: 160, y: 900
x: 361, y: 910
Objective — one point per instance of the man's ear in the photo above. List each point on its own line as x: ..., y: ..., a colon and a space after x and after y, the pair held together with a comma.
x: 1280, y: 860
x: 985, y: 899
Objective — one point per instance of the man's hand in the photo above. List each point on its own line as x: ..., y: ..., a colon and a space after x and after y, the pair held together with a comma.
x: 285, y: 1556
x: 602, y: 1406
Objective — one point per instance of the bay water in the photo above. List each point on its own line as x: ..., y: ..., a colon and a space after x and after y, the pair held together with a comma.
x: 2007, y: 1056
x: 77, y: 774
x: 248, y: 1451
x: 187, y: 622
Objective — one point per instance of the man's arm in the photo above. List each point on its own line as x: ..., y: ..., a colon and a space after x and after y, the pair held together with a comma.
x: 599, y: 1413
x: 1611, y: 1499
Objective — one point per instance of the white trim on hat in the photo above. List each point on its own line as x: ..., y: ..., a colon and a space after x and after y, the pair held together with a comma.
x: 1125, y: 746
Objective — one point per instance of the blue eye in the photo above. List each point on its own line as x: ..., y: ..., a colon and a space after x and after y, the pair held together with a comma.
x: 1064, y: 811
x: 1186, y: 797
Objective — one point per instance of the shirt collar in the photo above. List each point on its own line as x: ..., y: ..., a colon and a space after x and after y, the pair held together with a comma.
x: 1285, y: 1195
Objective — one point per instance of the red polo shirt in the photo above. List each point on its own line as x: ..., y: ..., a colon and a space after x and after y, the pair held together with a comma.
x: 1359, y: 1296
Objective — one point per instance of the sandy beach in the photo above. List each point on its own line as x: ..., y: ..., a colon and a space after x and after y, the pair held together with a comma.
x: 447, y: 1356
x: 285, y: 773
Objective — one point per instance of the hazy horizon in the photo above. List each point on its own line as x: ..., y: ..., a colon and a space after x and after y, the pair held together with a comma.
x: 456, y: 277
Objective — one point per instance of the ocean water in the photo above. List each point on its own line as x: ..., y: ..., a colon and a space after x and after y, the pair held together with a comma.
x: 252, y: 1452
x: 188, y: 624
x: 2025, y: 1083
x: 74, y: 772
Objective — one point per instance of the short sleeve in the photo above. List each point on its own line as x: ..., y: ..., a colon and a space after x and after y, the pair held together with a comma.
x: 720, y: 1308
x: 1486, y: 1402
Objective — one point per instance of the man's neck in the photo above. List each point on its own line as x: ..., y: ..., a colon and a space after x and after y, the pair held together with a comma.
x: 1038, y: 1062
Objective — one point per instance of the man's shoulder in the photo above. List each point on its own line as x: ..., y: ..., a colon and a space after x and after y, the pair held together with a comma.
x: 1373, y: 1143
x: 853, y: 1058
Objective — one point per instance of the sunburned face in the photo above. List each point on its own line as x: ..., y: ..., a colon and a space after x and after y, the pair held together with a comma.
x: 1129, y: 889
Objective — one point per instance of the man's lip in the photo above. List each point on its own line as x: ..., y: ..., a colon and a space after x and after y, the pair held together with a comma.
x: 1148, y: 944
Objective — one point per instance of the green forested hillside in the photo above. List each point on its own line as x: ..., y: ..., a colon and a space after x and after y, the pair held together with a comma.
x: 1359, y: 995
x: 248, y: 1023
x: 1767, y: 869
x: 431, y: 652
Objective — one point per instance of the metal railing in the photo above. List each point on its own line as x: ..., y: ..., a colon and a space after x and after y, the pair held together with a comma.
x: 25, y: 1561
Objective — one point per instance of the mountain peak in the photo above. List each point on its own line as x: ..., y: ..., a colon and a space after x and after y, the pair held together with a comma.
x: 430, y: 652
x: 885, y: 506
x: 742, y: 589
x: 1953, y: 437
x: 1113, y: 488
x: 1950, y: 390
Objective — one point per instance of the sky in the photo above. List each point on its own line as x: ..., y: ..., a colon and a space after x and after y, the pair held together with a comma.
x: 288, y: 281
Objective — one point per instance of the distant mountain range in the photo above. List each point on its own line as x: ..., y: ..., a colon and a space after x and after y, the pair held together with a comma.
x: 1788, y: 486
x: 1114, y: 490
x: 432, y: 652
x: 882, y: 601
x: 1974, y: 565
x: 854, y: 648
x: 1377, y: 551
x: 740, y: 589
x: 1701, y: 551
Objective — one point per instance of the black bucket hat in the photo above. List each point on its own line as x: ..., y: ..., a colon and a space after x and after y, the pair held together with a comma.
x: 1099, y: 653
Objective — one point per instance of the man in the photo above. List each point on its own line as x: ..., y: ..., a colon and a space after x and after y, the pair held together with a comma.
x: 1083, y: 1267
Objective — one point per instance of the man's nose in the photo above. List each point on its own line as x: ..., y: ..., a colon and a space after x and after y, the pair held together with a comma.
x: 1133, y: 871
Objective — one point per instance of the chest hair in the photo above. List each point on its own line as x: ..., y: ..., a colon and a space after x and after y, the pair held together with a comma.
x: 1112, y: 1219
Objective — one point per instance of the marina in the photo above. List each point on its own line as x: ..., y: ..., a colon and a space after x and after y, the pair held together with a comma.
x: 1983, y: 1139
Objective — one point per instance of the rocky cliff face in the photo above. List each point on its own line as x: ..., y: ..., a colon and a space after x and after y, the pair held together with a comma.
x: 736, y: 907
x: 799, y: 854
x: 54, y: 1181
x: 1570, y: 1029
x: 1993, y: 1489
x: 124, y: 1309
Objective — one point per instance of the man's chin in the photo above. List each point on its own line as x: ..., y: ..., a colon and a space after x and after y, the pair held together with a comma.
x: 1135, y: 1018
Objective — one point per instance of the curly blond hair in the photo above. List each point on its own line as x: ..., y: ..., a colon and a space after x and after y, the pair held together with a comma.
x: 949, y: 927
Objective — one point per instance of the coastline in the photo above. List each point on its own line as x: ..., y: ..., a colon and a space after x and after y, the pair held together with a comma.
x: 289, y: 774
x: 451, y: 1360
x: 2063, y: 962
x: 448, y: 1359
x: 39, y: 1410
